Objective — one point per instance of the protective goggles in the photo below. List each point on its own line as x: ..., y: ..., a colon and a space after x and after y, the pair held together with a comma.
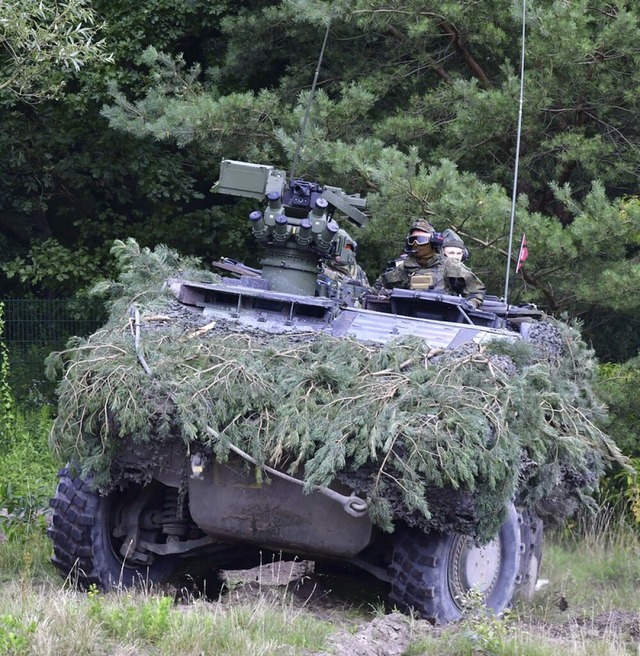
x: 417, y: 240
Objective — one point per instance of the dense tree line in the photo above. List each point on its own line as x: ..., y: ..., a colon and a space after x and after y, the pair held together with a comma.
x: 120, y: 134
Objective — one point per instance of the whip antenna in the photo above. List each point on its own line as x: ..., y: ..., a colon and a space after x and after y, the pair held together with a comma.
x: 311, y: 94
x: 515, y: 172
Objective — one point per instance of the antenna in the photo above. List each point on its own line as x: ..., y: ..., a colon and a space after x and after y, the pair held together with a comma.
x: 512, y: 219
x: 311, y: 94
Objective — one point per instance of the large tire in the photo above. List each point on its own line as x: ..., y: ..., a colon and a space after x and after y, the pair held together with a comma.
x: 531, y: 532
x: 432, y: 573
x: 86, y: 552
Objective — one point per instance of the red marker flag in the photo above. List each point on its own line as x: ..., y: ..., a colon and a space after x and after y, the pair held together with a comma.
x: 523, y: 254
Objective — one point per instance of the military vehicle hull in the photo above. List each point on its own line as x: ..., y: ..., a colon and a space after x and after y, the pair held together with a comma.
x: 231, y: 513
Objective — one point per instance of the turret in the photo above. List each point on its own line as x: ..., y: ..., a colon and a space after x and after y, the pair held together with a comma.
x: 296, y: 227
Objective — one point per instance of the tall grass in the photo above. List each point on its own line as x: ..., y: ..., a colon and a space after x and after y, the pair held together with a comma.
x: 27, y: 482
x: 591, y: 602
x: 48, y: 621
x: 595, y: 565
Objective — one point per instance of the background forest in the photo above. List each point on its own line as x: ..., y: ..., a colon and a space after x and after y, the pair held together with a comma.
x: 114, y: 118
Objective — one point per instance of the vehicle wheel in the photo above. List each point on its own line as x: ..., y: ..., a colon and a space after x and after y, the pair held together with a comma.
x: 86, y: 531
x: 531, y: 532
x: 432, y: 573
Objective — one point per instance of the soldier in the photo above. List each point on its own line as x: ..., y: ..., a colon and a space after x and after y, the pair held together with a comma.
x: 338, y: 272
x: 424, y: 268
x: 453, y: 247
x: 352, y: 273
x: 460, y: 277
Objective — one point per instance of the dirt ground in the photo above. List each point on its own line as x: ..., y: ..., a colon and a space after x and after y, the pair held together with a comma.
x: 366, y: 627
x: 343, y: 599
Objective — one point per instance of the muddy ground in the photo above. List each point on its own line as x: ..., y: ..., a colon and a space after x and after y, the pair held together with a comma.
x: 355, y: 604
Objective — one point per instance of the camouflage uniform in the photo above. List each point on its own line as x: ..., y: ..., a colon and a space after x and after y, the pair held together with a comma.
x: 345, y: 273
x: 433, y: 273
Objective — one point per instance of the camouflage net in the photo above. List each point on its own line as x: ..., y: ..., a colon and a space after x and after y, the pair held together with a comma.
x: 438, y: 439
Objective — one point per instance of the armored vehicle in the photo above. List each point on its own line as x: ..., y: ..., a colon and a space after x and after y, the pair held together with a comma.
x: 194, y: 465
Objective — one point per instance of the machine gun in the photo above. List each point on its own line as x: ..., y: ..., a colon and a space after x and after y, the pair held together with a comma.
x: 296, y: 228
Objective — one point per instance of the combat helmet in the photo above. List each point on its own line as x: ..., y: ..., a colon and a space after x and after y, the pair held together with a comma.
x: 420, y: 247
x: 421, y: 224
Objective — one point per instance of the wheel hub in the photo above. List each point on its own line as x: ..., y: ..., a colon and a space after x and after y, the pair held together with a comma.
x: 473, y: 568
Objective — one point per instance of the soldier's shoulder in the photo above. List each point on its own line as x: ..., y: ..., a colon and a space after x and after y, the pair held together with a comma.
x: 397, y: 262
x: 455, y: 267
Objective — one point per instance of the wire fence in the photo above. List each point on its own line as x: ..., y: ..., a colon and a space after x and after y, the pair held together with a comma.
x: 33, y: 329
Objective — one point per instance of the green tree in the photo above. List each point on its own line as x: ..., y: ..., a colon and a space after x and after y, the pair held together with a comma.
x: 416, y: 107
x: 41, y: 43
x: 444, y: 79
x: 619, y: 386
x: 72, y: 184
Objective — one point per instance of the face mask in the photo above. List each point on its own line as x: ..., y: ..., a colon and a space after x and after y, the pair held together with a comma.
x: 422, y: 252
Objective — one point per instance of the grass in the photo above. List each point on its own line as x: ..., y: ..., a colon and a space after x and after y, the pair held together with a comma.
x: 591, y: 604
x: 47, y: 620
x: 596, y: 575
x: 596, y: 566
x: 522, y: 643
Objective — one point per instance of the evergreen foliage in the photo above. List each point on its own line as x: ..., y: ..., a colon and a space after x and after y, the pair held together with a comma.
x: 416, y: 107
x: 399, y: 422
